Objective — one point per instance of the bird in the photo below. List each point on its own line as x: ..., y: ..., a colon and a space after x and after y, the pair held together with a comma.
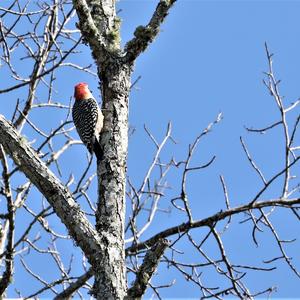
x: 87, y: 118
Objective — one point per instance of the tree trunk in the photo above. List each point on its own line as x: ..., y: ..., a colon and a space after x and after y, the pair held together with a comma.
x: 100, y: 28
x: 110, y: 275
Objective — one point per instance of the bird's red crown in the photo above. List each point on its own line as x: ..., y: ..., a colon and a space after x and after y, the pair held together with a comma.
x: 81, y: 91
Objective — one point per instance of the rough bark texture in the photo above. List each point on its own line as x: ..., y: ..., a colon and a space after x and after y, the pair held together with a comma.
x: 56, y: 193
x: 147, y: 269
x: 68, y: 292
x: 145, y: 35
x: 100, y: 28
x: 110, y: 278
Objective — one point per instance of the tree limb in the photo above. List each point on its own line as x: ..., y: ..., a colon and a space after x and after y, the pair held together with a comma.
x: 74, y: 286
x: 9, y: 257
x: 147, y: 269
x: 210, y: 220
x: 144, y: 35
x: 87, y: 25
x: 54, y: 191
x: 98, y: 25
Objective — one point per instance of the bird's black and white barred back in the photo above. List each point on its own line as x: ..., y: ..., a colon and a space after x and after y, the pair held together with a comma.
x: 88, y: 119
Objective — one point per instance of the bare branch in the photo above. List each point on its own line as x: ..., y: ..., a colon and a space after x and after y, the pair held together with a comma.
x: 147, y: 269
x: 9, y: 262
x: 263, y: 130
x: 252, y: 162
x: 273, y: 87
x: 144, y: 35
x: 207, y: 222
x: 74, y: 286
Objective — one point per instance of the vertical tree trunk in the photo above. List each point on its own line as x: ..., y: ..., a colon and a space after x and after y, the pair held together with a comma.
x: 100, y: 27
x: 110, y: 277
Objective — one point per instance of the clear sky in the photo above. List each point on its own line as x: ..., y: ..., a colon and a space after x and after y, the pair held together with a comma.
x: 209, y: 58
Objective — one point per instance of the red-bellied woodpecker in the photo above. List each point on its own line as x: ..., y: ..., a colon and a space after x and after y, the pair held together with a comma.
x: 88, y: 118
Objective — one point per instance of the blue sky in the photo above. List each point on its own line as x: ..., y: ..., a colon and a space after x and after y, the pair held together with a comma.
x: 209, y: 58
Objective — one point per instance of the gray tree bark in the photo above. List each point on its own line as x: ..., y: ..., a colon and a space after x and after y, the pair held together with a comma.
x: 110, y: 277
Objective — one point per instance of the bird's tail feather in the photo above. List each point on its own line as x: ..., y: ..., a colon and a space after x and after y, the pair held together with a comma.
x: 97, y: 150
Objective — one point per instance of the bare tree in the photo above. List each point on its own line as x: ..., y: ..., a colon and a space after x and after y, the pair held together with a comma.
x: 47, y: 37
